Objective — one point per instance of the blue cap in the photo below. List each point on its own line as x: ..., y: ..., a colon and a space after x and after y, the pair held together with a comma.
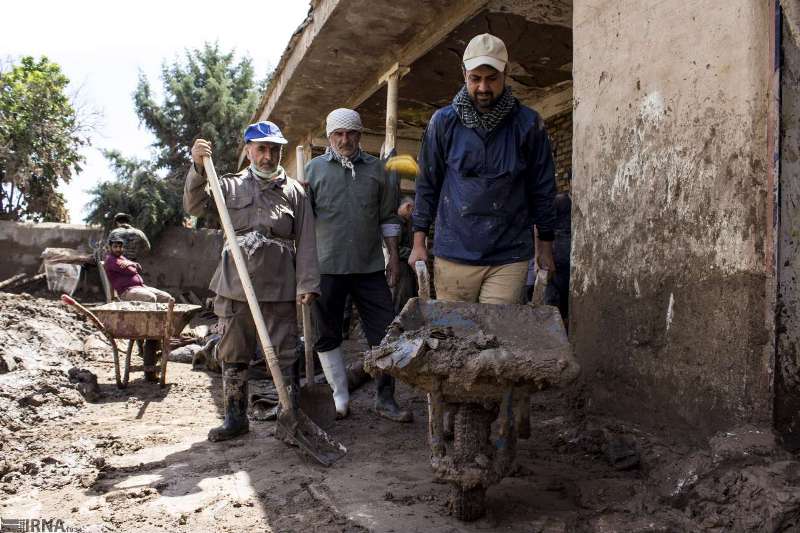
x: 264, y: 132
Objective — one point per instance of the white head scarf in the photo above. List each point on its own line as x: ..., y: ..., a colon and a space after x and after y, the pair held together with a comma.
x: 343, y: 119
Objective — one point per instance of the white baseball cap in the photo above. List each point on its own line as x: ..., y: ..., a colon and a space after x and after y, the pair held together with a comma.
x: 486, y: 49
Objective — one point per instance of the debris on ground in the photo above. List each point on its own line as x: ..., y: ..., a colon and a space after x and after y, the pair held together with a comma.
x: 138, y: 458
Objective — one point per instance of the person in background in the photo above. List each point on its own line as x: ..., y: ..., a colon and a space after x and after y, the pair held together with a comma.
x: 557, y: 291
x: 125, y: 277
x: 135, y: 240
x: 406, y: 287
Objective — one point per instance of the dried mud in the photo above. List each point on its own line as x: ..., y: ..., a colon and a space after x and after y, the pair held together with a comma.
x: 138, y: 459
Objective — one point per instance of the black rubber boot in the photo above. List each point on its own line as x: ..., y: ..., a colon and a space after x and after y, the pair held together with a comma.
x: 385, y: 404
x: 234, y: 387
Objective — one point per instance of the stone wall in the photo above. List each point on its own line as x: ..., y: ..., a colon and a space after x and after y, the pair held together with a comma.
x: 671, y: 211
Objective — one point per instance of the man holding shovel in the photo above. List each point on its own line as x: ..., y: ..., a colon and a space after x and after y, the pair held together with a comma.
x: 274, y: 225
x: 354, y: 206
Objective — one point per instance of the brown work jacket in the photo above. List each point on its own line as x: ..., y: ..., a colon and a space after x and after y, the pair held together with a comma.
x: 285, y: 264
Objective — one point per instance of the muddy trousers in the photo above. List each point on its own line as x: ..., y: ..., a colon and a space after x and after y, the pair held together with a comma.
x: 240, y: 338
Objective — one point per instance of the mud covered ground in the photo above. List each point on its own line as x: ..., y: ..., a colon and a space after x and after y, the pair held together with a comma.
x: 137, y: 459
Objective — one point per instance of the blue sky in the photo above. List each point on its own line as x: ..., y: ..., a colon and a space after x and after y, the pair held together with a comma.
x: 102, y: 47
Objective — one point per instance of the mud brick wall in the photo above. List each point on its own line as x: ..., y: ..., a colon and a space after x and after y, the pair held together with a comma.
x: 671, y: 276
x: 182, y: 259
x: 559, y: 128
x: 22, y: 244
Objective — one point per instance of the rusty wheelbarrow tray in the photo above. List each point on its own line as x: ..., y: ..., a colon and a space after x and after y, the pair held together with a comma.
x: 478, y: 362
x: 137, y: 321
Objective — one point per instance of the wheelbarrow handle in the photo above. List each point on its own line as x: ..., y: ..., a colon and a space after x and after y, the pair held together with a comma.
x: 423, y: 281
x: 542, y: 279
x: 71, y: 301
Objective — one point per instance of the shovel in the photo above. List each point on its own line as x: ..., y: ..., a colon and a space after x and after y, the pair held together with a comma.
x: 316, y: 400
x: 293, y: 426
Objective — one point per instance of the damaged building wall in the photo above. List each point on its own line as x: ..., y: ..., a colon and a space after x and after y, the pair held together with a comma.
x: 787, y: 365
x: 670, y: 211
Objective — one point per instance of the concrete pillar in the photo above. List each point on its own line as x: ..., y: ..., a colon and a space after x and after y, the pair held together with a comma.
x: 671, y: 252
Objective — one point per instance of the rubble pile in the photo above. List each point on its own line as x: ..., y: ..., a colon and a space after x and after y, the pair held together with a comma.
x: 41, y: 387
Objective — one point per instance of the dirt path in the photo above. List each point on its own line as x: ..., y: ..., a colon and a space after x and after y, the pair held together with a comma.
x: 138, y: 459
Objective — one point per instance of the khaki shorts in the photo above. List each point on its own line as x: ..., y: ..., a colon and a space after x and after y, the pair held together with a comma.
x: 239, y: 336
x: 501, y: 284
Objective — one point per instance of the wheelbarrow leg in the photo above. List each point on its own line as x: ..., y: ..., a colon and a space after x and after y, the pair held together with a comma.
x: 115, y: 351
x: 127, y: 375
x: 435, y: 422
x: 165, y: 342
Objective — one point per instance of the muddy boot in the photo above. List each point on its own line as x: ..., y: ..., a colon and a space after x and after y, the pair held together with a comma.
x: 385, y: 405
x: 234, y: 387
x: 149, y: 361
x: 336, y: 373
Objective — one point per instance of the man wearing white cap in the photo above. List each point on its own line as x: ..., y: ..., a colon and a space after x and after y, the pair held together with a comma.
x: 486, y: 178
x: 274, y: 225
x: 355, y: 207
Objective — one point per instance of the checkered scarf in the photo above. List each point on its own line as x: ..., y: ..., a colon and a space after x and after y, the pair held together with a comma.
x: 472, y: 118
x: 346, y: 162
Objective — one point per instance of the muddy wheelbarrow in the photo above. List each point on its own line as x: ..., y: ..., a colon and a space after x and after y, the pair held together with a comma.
x: 479, y: 363
x: 137, y: 321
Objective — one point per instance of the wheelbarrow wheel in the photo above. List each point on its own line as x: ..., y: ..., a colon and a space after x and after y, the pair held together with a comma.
x: 471, y: 432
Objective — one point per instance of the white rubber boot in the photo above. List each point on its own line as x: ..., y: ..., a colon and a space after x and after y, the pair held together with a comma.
x: 335, y: 372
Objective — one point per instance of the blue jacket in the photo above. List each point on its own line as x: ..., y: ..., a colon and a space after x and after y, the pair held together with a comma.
x: 486, y: 191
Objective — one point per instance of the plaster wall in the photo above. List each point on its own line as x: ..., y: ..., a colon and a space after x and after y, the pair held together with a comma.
x: 670, y: 211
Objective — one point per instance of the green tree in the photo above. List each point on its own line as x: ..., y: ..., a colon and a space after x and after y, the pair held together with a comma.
x: 209, y: 95
x: 40, y: 141
x: 152, y: 202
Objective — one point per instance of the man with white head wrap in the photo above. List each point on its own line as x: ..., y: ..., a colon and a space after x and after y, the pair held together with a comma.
x: 354, y: 206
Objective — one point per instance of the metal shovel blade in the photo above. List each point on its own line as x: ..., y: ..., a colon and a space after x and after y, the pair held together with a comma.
x: 295, y: 428
x: 316, y: 400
